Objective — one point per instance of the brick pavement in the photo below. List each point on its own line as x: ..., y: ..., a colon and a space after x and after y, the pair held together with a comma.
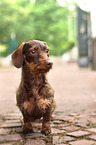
x: 73, y: 129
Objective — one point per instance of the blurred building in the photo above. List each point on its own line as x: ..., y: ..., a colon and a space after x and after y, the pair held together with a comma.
x: 86, y: 33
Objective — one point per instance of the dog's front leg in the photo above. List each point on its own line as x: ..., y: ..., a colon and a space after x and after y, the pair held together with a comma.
x: 27, y: 126
x: 46, y: 123
x: 27, y: 116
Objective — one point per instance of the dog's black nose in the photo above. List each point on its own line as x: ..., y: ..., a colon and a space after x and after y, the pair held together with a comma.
x: 49, y: 63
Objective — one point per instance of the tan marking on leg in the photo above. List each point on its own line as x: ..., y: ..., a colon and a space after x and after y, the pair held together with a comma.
x: 43, y: 104
x: 28, y: 106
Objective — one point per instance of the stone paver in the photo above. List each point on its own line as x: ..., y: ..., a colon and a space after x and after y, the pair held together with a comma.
x: 4, y: 131
x: 70, y: 128
x: 12, y: 121
x: 11, y: 137
x: 92, y: 130
x: 35, y: 142
x: 93, y: 137
x: 34, y: 135
x: 11, y: 125
x: 62, y: 139
x: 78, y: 133
x: 83, y: 142
x: 54, y: 130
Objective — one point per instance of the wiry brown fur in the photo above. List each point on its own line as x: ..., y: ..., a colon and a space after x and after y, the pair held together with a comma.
x: 35, y: 97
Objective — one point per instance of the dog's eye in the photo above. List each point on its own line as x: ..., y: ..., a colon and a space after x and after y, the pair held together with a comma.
x: 32, y: 51
x: 47, y: 50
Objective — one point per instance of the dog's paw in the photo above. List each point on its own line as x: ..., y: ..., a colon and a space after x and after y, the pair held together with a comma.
x: 46, y: 131
x: 27, y: 128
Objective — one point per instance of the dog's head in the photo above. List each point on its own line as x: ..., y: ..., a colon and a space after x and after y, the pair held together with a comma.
x: 33, y: 53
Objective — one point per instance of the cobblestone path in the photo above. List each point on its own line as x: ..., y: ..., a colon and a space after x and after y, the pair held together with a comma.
x: 73, y: 129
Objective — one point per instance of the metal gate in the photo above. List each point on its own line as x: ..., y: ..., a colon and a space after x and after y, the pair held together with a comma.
x: 84, y: 38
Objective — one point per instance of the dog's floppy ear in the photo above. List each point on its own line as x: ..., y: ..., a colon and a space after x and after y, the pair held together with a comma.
x: 17, y: 56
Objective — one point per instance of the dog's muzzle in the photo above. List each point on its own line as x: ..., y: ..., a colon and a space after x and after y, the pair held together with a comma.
x: 49, y: 64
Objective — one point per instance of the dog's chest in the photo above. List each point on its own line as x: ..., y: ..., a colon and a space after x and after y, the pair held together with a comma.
x: 35, y: 87
x: 37, y: 82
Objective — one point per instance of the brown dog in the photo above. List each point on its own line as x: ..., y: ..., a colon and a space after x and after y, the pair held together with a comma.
x: 35, y: 97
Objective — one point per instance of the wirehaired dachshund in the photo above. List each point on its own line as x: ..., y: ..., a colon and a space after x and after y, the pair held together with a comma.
x: 35, y: 96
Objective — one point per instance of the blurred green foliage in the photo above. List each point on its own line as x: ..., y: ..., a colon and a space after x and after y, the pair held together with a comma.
x: 36, y: 19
